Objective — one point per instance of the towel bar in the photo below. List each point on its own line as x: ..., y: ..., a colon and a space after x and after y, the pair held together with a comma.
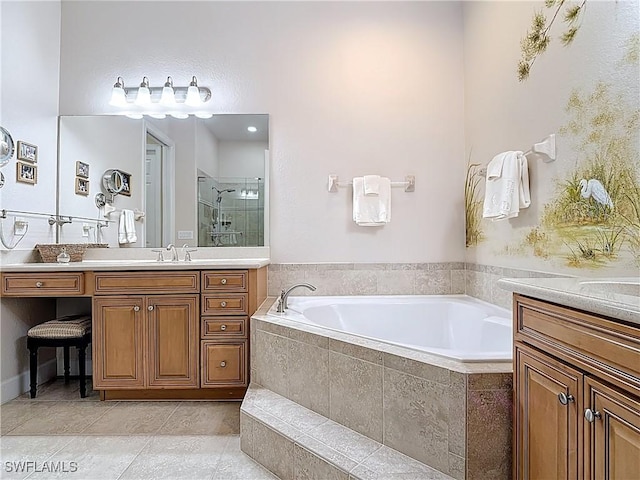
x: 547, y: 148
x: 409, y: 183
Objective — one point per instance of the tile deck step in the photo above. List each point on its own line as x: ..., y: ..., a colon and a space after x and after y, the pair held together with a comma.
x: 294, y: 442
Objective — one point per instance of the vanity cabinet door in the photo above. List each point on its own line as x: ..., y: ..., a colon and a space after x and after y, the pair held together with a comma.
x: 548, y: 418
x: 612, y: 433
x: 118, y: 342
x: 173, y: 341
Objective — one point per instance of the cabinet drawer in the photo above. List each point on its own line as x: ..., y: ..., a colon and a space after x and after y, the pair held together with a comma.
x: 220, y: 327
x: 225, y: 304
x: 43, y: 284
x: 228, y: 280
x: 223, y: 364
x: 146, y: 282
x: 579, y: 337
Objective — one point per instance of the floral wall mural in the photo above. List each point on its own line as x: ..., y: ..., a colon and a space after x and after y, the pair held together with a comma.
x: 585, y: 211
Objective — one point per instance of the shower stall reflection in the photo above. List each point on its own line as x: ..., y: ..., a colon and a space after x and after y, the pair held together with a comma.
x: 230, y: 212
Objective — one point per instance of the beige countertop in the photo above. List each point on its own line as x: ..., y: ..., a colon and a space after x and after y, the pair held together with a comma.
x: 617, y: 298
x: 134, y: 264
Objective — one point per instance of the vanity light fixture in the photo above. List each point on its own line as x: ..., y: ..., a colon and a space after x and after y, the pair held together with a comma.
x: 144, y: 94
x: 252, y: 129
x: 118, y: 96
x: 158, y: 102
x: 168, y: 97
x: 193, y: 94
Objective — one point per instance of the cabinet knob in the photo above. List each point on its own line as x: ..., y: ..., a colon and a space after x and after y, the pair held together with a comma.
x: 223, y: 281
x: 150, y: 308
x: 565, y: 399
x: 39, y: 284
x: 223, y: 327
x: 223, y: 304
x: 136, y: 308
x: 223, y: 364
x: 591, y: 415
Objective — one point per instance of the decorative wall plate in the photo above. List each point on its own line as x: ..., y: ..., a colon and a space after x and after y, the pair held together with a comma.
x: 7, y: 147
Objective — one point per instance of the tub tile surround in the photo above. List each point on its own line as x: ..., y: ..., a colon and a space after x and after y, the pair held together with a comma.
x: 326, y: 451
x: 445, y: 278
x: 426, y: 407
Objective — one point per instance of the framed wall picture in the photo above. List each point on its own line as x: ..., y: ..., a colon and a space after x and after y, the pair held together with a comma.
x: 27, y: 152
x: 126, y: 184
x: 82, y: 169
x: 26, y: 173
x: 82, y: 186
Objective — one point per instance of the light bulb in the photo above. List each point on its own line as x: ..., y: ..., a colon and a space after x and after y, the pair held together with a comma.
x: 179, y: 115
x: 252, y: 129
x: 144, y: 94
x: 193, y: 94
x: 135, y: 116
x: 118, y: 96
x: 203, y: 114
x: 168, y: 97
x: 159, y: 116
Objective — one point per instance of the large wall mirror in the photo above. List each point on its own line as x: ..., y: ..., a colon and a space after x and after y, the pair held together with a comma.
x: 194, y: 181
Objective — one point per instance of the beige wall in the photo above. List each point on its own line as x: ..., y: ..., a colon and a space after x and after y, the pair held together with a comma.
x: 30, y: 46
x: 351, y: 88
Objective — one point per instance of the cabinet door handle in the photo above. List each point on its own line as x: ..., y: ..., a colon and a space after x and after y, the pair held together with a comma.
x: 223, y: 281
x: 150, y: 308
x: 223, y: 364
x: 591, y: 415
x: 223, y: 304
x: 223, y: 327
x: 136, y: 308
x: 565, y: 399
x: 39, y: 284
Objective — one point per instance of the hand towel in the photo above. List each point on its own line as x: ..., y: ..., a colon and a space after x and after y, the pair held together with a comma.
x: 371, y: 184
x: 127, y: 228
x: 371, y: 210
x: 507, y: 187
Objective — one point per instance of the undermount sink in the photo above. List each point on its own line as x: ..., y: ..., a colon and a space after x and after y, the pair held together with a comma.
x: 621, y: 286
x: 122, y: 261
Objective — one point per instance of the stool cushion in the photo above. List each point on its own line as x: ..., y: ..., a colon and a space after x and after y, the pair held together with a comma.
x: 65, y: 327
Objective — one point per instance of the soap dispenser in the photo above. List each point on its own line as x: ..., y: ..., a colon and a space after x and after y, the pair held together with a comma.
x: 63, y: 257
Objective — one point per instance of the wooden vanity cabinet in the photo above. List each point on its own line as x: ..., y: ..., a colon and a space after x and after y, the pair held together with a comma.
x: 577, y: 394
x: 146, y: 341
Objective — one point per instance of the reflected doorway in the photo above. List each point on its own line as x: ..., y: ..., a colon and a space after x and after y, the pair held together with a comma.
x: 159, y: 188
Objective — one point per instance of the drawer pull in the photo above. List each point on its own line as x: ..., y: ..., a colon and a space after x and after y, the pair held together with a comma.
x: 223, y: 281
x: 223, y: 364
x: 136, y: 308
x: 150, y: 308
x: 39, y: 284
x: 223, y: 304
x: 565, y: 399
x: 591, y: 415
x: 223, y: 327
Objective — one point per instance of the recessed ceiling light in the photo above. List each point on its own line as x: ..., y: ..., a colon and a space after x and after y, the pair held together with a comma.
x: 252, y: 129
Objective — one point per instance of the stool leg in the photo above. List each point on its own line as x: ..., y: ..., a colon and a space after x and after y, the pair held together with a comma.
x: 33, y: 373
x: 66, y: 364
x: 82, y: 369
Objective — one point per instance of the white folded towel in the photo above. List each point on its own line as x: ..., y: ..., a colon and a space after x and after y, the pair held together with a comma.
x: 371, y: 210
x: 127, y: 228
x: 507, y: 187
x: 371, y: 184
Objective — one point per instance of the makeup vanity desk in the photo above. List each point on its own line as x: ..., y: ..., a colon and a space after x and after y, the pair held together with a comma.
x: 161, y: 330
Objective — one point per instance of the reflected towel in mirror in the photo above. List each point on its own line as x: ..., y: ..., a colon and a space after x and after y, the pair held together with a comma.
x: 127, y: 228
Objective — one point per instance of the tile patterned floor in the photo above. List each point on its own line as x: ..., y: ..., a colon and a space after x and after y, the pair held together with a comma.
x: 59, y: 435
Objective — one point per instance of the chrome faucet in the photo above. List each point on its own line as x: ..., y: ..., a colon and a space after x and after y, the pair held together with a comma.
x: 284, y: 295
x: 174, y: 253
x: 187, y: 252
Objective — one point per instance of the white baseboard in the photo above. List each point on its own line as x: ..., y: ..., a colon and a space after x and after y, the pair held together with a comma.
x: 16, y: 386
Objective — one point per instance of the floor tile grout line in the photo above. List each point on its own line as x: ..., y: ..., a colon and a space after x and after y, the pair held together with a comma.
x: 167, y: 419
x: 64, y: 445
x: 106, y: 410
x: 149, y: 438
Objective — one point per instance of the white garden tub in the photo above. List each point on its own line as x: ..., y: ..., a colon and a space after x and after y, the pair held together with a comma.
x: 453, y: 326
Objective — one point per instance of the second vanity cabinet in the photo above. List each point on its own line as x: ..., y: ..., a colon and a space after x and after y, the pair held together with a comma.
x: 577, y: 394
x: 146, y: 341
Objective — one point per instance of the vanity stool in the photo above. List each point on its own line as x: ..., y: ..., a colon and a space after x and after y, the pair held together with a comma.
x: 71, y: 331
